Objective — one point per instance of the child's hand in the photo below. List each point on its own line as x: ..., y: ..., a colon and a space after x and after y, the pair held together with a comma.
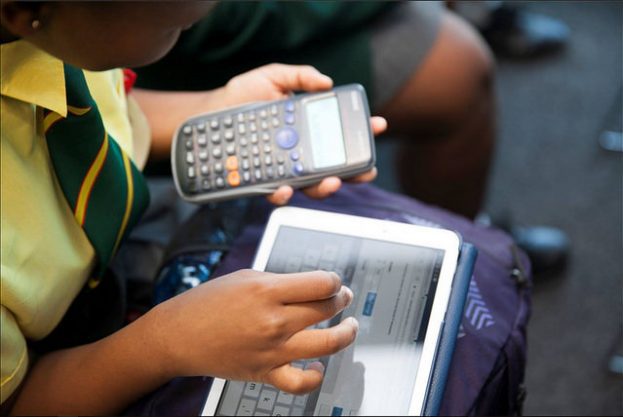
x: 274, y: 82
x: 251, y: 325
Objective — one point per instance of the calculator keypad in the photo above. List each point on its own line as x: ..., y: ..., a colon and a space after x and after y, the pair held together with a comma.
x: 249, y: 147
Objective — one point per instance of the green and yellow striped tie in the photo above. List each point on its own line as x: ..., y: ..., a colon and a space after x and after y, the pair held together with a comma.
x: 103, y: 187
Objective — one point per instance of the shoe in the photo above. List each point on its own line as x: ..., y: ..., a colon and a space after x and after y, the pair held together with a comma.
x: 547, y: 247
x: 516, y: 33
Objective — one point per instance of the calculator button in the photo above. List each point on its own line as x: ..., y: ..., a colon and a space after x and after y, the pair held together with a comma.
x: 214, y: 124
x: 240, y: 117
x: 218, y: 167
x: 289, y: 118
x: 228, y: 121
x: 242, y: 129
x: 251, y: 116
x: 294, y: 155
x: 216, y: 138
x: 230, y: 149
x: 275, y: 122
x: 201, y: 127
x: 281, y: 170
x: 253, y: 127
x: 264, y: 125
x: 255, y: 150
x: 265, y: 137
x: 263, y: 113
x: 268, y: 160
x: 191, y: 172
x: 298, y: 168
x: 243, y: 141
x: 190, y: 158
x: 205, y: 170
x: 274, y: 110
x: 270, y: 172
x: 203, y: 155
x: 231, y: 164
x: 229, y: 135
x: 281, y: 159
x: 202, y: 140
x: 289, y: 106
x: 287, y: 138
x: 217, y: 152
x: 233, y: 178
x: 267, y: 148
x: 245, y: 164
x: 257, y: 162
x: 244, y: 152
x: 254, y: 138
x: 205, y: 184
x: 192, y: 187
x: 189, y: 144
x: 246, y: 176
x: 220, y: 182
x: 258, y: 174
x: 188, y: 130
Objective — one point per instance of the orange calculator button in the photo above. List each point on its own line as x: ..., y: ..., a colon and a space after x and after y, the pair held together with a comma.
x: 231, y: 164
x: 233, y: 178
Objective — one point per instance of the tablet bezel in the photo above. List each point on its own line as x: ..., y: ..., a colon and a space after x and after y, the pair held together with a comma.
x: 369, y: 228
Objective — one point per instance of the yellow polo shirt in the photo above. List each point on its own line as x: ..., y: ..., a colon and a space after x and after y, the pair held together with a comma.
x: 46, y: 257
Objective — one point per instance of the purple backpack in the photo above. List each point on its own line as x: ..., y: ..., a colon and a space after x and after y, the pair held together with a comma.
x: 487, y: 370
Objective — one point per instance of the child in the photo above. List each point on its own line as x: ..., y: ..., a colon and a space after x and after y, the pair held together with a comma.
x: 72, y: 189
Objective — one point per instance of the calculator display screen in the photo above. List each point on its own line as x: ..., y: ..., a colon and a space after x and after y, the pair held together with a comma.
x: 325, y: 131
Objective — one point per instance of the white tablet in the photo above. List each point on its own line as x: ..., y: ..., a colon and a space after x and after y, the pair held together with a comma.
x: 401, y: 276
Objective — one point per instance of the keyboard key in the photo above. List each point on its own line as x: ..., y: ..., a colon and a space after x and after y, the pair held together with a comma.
x: 267, y: 148
x: 202, y: 140
x: 246, y: 176
x: 267, y: 399
x: 285, y: 398
x: 242, y: 129
x: 218, y: 167
x: 255, y: 150
x: 300, y: 400
x: 228, y: 121
x: 230, y: 149
x: 217, y: 152
x: 214, y: 124
x: 216, y: 138
x: 281, y: 411
x: 245, y: 164
x: 220, y: 182
x: 258, y: 174
x: 188, y: 130
x: 243, y: 141
x: 246, y: 408
x: 254, y: 138
x: 265, y: 137
x: 268, y: 160
x: 229, y: 135
x: 191, y: 172
x: 264, y: 125
x: 257, y: 162
x: 190, y: 158
x: 201, y: 127
x: 240, y: 117
x: 203, y: 155
x: 252, y: 389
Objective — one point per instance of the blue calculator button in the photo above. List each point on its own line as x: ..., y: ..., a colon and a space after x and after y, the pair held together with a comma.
x: 298, y: 168
x: 287, y: 138
x: 289, y: 118
x: 289, y: 105
x: 294, y: 155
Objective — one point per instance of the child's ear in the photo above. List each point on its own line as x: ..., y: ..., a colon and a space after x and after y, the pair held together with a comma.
x: 20, y: 19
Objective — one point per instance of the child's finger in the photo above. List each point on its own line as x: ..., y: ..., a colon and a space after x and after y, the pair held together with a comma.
x: 294, y: 380
x: 379, y: 124
x: 324, y: 188
x: 316, y: 343
x: 281, y: 196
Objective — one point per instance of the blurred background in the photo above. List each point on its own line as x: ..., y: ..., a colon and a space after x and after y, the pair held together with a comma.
x: 550, y: 169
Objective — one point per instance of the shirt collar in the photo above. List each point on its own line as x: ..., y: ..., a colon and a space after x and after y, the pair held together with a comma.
x: 31, y: 75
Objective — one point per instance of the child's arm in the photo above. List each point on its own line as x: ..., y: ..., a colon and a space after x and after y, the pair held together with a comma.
x: 248, y: 325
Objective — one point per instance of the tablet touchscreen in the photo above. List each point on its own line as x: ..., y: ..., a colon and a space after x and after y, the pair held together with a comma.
x: 394, y: 285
